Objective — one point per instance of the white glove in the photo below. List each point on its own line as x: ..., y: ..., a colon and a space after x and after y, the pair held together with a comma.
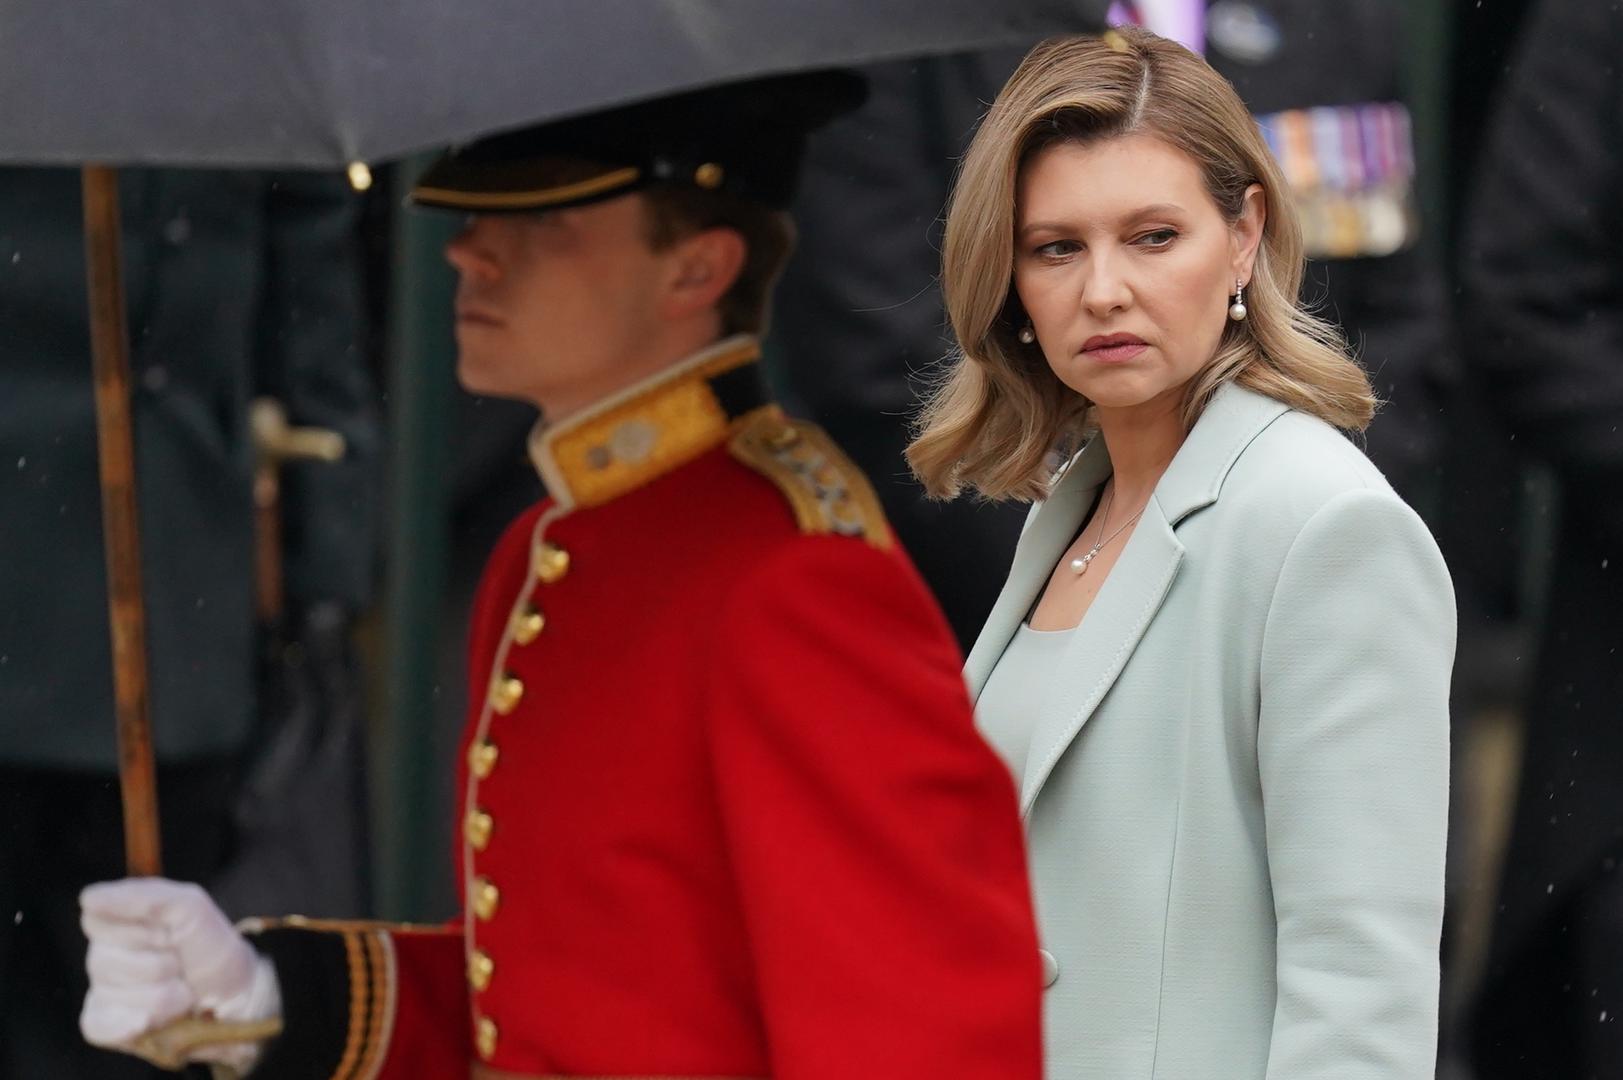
x: 161, y: 951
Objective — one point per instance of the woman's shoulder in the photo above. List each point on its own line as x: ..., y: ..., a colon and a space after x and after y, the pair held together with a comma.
x: 1298, y: 463
x: 1300, y: 476
x: 1303, y: 486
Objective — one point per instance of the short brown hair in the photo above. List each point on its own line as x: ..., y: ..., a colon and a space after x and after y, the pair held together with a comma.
x: 769, y: 236
x: 992, y: 420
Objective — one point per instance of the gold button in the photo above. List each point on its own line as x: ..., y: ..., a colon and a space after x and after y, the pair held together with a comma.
x: 505, y: 693
x: 551, y: 563
x: 480, y: 969
x: 482, y: 759
x: 476, y: 829
x: 486, y: 898
x: 484, y: 1037
x: 709, y: 175
x: 527, y: 625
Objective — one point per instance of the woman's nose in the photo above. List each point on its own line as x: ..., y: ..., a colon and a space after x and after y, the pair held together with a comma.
x: 1105, y: 288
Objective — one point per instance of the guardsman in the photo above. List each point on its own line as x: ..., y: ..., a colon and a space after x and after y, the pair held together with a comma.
x: 724, y: 813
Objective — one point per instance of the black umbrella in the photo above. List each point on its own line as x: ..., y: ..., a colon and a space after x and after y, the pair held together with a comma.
x: 319, y: 83
x: 322, y: 83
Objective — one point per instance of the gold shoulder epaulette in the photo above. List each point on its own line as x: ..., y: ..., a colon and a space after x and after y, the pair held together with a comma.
x: 828, y: 493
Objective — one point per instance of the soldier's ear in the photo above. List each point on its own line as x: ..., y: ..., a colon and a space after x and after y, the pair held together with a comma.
x: 704, y: 267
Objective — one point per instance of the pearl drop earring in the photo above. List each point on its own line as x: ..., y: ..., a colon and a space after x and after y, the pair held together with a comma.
x: 1027, y: 335
x: 1237, y: 310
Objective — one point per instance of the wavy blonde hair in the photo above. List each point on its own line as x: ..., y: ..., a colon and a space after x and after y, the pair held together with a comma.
x: 997, y: 410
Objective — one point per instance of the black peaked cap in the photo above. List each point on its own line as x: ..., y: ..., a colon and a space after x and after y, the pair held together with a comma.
x: 742, y: 138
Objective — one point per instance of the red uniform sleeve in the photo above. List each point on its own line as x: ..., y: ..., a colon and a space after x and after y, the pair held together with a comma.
x: 875, y: 838
x: 367, y: 999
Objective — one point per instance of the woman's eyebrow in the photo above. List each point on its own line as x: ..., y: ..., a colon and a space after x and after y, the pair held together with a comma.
x: 1136, y: 214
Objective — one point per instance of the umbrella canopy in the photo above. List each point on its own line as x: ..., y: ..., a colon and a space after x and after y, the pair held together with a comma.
x: 317, y: 83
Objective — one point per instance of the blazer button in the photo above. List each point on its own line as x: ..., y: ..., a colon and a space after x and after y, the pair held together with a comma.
x: 551, y: 563
x: 476, y: 829
x: 505, y: 693
x: 482, y: 759
x: 484, y: 1037
x: 480, y: 970
x: 1050, y: 968
x: 527, y: 625
x: 486, y: 898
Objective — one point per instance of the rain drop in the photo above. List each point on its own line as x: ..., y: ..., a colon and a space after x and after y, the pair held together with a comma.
x: 1550, y: 888
x: 22, y: 463
x: 1604, y: 563
x: 16, y: 257
x: 1603, y: 1016
x: 17, y: 919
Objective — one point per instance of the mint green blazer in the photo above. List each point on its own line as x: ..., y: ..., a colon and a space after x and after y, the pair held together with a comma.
x: 1237, y: 787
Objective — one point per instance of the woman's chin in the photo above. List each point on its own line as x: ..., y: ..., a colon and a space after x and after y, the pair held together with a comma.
x: 1119, y: 393
x: 1121, y: 388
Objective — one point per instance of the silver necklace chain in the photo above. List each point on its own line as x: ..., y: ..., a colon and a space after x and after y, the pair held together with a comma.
x: 1079, y: 565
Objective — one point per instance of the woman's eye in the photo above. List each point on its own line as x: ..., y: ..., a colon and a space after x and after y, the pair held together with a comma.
x: 1158, y: 238
x: 1057, y: 249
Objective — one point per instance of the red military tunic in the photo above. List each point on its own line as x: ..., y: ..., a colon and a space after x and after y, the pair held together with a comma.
x: 724, y: 810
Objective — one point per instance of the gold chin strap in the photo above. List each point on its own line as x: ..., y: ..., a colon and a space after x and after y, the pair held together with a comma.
x: 171, y: 1046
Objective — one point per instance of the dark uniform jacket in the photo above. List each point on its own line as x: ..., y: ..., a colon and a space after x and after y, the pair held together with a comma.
x: 238, y: 284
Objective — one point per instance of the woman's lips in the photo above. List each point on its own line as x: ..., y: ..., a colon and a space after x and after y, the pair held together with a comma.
x: 1115, y: 352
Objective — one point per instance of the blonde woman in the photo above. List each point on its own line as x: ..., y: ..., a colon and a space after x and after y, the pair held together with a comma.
x: 1219, y: 667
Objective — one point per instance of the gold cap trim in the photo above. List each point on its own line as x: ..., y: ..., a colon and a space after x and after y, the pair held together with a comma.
x: 532, y: 199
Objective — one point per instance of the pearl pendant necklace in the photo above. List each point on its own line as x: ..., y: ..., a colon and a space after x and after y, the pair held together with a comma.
x: 1079, y: 565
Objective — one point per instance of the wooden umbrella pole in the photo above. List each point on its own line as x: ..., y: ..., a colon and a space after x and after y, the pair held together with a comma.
x: 116, y: 448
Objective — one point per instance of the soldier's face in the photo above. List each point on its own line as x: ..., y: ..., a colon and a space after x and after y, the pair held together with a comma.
x: 550, y: 305
x: 1126, y: 267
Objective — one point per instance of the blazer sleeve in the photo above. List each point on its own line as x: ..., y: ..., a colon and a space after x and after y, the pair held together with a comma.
x: 1352, y: 750
x: 874, y: 837
x: 366, y: 999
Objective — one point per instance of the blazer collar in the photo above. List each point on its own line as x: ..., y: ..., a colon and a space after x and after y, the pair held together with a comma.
x: 1223, y: 430
x: 1138, y: 583
x: 645, y: 431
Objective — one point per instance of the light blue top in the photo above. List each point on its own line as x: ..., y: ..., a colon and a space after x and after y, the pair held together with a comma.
x: 1017, y: 690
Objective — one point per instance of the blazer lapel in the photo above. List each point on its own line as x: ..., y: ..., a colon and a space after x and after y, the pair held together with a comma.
x: 1052, y: 528
x: 1102, y: 644
x: 1140, y: 580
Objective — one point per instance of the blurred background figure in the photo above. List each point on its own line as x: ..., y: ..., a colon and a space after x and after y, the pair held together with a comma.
x: 1543, y: 319
x: 859, y: 319
x: 240, y: 285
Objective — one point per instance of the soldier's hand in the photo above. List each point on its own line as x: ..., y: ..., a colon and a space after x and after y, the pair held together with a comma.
x: 170, y: 975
